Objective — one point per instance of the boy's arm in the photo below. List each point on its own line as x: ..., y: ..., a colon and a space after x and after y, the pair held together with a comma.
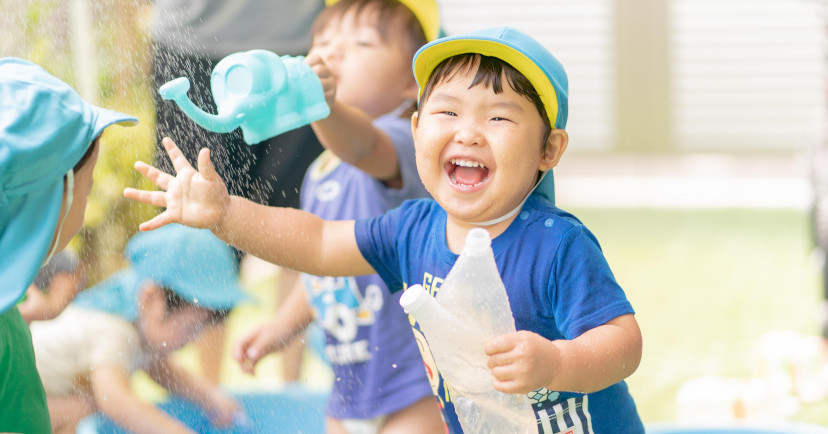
x: 292, y: 318
x: 284, y: 236
x: 350, y: 133
x: 525, y: 361
x: 178, y: 381
x: 115, y: 398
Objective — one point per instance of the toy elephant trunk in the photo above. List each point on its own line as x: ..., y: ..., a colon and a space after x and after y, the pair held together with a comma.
x: 259, y: 91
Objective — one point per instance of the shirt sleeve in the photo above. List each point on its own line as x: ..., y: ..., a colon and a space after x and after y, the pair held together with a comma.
x: 114, y: 343
x: 376, y: 239
x: 585, y: 293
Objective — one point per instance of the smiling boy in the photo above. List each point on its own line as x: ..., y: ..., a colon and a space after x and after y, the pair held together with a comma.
x: 493, y: 105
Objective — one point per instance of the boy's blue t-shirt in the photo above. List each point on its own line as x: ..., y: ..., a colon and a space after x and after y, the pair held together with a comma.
x: 559, y: 286
x: 368, y: 342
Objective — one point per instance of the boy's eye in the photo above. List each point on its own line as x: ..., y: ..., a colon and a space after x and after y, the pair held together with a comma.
x: 448, y: 113
x: 500, y: 118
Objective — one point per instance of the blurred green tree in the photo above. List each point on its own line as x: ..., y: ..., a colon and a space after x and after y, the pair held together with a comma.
x: 102, y: 48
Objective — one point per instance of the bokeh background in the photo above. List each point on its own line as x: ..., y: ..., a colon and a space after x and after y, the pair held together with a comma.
x: 694, y: 126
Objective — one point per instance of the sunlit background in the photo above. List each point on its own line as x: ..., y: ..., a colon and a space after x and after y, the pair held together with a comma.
x: 693, y: 126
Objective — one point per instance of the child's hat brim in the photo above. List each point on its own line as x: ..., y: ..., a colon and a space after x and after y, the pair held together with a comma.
x: 427, y: 13
x: 45, y: 129
x: 514, y: 47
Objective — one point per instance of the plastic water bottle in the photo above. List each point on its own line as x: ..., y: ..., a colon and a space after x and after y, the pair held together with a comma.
x: 471, y: 307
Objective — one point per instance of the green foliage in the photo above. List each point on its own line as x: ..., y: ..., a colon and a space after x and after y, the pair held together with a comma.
x: 706, y: 284
x: 120, y: 55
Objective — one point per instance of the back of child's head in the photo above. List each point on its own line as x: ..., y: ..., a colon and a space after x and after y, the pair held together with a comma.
x: 528, y: 67
x: 191, y: 266
x: 46, y: 129
x: 419, y: 20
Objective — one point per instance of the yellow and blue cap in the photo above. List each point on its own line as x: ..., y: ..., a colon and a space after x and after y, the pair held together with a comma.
x: 45, y: 129
x: 512, y: 46
x: 427, y: 13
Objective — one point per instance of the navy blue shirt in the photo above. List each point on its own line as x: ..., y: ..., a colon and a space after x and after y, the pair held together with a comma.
x: 558, y: 283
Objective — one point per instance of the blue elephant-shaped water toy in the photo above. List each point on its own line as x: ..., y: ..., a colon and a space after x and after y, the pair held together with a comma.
x: 263, y: 93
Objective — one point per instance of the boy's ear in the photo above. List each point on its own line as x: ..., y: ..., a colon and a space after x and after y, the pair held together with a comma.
x: 415, y: 118
x: 554, y: 149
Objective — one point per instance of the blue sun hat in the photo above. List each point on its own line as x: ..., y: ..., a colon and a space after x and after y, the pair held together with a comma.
x: 192, y: 263
x: 523, y: 53
x: 45, y: 129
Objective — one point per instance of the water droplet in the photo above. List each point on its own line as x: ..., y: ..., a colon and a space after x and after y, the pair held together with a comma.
x: 549, y: 222
x: 524, y: 215
x: 394, y: 365
x: 164, y: 344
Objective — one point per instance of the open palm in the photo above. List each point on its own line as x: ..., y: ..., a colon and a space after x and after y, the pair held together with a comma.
x: 195, y: 198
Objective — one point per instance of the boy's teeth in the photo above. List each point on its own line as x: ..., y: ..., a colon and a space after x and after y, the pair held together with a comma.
x: 466, y: 163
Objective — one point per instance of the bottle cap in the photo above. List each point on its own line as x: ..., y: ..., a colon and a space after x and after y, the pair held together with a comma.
x: 415, y: 300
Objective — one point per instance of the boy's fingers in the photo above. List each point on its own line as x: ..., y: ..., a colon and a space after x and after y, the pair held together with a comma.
x: 205, y: 166
x: 508, y: 386
x: 158, y: 177
x: 178, y: 159
x: 312, y: 58
x: 499, y: 344
x: 156, y: 222
x: 155, y: 198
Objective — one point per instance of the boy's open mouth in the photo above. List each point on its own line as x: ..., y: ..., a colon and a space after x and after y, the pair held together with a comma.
x: 466, y: 173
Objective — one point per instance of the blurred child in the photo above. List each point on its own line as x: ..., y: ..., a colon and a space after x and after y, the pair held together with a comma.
x: 493, y: 105
x: 49, y: 143
x: 368, y: 168
x: 55, y: 286
x: 180, y: 280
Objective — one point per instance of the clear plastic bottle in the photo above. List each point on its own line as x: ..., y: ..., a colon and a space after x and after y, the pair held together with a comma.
x: 471, y: 307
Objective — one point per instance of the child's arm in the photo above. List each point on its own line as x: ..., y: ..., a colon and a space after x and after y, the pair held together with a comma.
x: 115, y: 398
x: 524, y: 361
x: 215, y: 403
x: 349, y: 133
x: 292, y: 319
x: 283, y: 236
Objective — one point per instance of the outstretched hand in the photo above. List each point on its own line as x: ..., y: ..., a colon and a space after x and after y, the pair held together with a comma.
x: 195, y: 198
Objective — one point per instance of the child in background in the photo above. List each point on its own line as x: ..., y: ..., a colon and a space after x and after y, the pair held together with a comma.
x: 493, y: 105
x: 55, y: 286
x: 49, y: 144
x: 367, y: 169
x: 180, y: 280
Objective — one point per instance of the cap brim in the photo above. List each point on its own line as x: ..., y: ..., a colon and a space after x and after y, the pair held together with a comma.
x: 106, y: 117
x: 430, y: 55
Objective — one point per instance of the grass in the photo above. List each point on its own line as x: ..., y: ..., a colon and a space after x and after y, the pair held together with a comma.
x: 706, y: 284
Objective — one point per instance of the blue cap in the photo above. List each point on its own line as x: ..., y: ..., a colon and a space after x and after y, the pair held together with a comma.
x: 45, y: 129
x: 193, y: 263
x: 514, y: 47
